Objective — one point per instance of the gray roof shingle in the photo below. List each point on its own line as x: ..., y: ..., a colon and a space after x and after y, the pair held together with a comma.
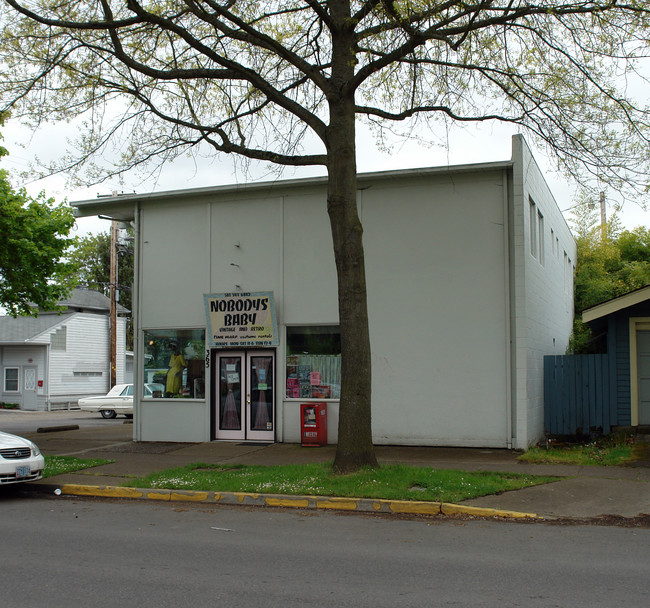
x: 24, y: 329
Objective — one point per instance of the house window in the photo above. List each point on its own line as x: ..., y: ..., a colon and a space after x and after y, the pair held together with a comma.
x: 314, y: 362
x: 58, y: 340
x: 11, y: 380
x: 174, y: 363
x: 87, y: 374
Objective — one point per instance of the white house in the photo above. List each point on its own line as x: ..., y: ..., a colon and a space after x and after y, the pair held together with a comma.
x: 56, y: 358
x: 470, y: 283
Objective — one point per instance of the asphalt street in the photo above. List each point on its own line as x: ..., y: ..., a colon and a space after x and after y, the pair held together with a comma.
x: 84, y: 552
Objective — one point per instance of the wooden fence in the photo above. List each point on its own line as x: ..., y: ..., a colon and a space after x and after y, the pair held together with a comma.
x: 578, y: 395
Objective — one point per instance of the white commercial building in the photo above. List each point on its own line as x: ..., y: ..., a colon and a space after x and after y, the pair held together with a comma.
x: 470, y: 283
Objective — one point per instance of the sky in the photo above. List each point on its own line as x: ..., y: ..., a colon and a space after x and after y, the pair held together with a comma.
x: 476, y: 144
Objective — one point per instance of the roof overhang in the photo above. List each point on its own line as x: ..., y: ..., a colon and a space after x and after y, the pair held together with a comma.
x: 611, y: 306
x: 122, y: 207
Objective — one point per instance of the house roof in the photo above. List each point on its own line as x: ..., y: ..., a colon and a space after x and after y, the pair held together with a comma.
x: 26, y: 329
x: 615, y: 304
x: 87, y: 300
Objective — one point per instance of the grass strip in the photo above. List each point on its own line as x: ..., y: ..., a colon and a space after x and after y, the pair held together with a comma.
x: 590, y: 455
x: 58, y: 465
x: 394, y: 482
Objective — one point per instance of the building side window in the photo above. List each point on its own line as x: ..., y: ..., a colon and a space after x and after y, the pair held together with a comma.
x: 87, y: 374
x: 536, y: 231
x: 532, y: 228
x: 313, y: 362
x: 58, y: 340
x: 567, y: 266
x: 174, y: 363
x: 540, y: 240
x: 11, y: 380
x: 552, y: 242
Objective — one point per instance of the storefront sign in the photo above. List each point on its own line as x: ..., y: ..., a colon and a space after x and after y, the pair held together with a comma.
x: 241, y: 319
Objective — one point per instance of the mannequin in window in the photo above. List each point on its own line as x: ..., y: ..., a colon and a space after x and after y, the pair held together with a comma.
x: 174, y: 374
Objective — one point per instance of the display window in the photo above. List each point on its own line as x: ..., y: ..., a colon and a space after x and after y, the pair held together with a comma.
x: 313, y: 368
x: 174, y: 363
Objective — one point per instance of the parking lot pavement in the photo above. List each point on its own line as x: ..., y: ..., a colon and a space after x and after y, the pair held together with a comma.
x: 22, y: 421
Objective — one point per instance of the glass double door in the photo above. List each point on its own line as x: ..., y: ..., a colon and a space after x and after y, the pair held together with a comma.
x: 244, y: 395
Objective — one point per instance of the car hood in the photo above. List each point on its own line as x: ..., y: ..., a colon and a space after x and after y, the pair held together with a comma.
x: 104, y: 397
x: 7, y: 440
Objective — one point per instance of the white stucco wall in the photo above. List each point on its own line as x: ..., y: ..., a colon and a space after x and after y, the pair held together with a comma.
x: 451, y: 282
x: 437, y: 289
x: 437, y: 292
x: 543, y: 285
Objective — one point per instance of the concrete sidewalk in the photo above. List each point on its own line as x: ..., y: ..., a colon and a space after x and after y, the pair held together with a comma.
x: 584, y: 492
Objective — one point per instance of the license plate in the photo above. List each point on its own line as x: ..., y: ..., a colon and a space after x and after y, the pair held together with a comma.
x: 23, y: 471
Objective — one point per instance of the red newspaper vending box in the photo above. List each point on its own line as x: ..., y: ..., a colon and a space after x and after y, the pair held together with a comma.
x: 313, y: 424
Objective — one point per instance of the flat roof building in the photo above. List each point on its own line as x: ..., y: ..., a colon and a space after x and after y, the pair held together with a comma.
x: 470, y: 283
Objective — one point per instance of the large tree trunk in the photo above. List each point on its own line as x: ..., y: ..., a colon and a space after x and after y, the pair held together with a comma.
x: 355, y: 448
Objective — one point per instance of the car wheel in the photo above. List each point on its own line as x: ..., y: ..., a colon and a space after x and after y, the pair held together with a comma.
x: 108, y: 413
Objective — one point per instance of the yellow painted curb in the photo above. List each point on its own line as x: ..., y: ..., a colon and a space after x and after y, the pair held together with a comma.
x: 298, y: 502
x: 189, y: 496
x: 109, y: 491
x: 414, y: 507
x: 451, y: 509
x: 158, y: 495
x: 242, y: 496
x: 344, y: 504
x: 302, y: 502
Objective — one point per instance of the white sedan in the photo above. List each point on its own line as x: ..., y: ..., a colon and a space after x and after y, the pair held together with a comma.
x: 20, y: 460
x: 119, y: 400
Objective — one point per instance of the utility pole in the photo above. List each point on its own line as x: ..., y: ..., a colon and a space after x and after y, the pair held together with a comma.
x: 113, y: 305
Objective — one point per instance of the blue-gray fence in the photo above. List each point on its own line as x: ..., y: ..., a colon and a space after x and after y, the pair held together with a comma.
x: 578, y: 394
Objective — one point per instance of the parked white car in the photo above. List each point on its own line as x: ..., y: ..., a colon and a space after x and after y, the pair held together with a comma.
x: 119, y: 400
x: 20, y: 460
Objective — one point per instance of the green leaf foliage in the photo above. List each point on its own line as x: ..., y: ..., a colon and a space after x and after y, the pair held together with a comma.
x: 34, y: 273
x: 92, y: 258
x: 611, y: 262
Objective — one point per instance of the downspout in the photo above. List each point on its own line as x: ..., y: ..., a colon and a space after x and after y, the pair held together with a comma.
x: 281, y: 352
x: 48, y: 395
x: 138, y: 361
x: 509, y: 287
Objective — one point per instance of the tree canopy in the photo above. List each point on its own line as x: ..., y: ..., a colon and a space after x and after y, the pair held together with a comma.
x: 34, y: 273
x: 92, y: 254
x: 611, y: 262
x: 92, y: 257
x: 285, y: 81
